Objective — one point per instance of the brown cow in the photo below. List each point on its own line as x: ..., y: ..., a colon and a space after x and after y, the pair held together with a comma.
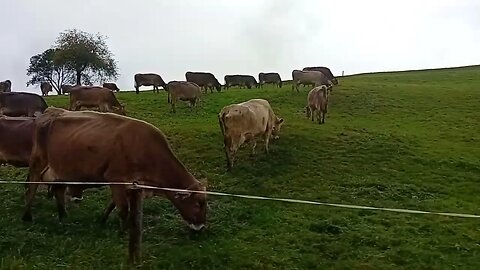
x: 21, y: 104
x: 246, y: 122
x: 16, y: 140
x: 5, y: 86
x: 315, y: 78
x: 204, y: 79
x: 66, y: 88
x: 97, y: 97
x: 111, y: 86
x: 185, y: 91
x: 317, y: 100
x: 93, y: 146
x: 45, y: 87
x: 148, y: 79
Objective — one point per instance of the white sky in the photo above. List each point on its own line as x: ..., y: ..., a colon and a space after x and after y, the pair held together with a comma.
x: 248, y: 36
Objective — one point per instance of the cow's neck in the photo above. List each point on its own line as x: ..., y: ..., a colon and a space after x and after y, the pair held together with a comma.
x: 172, y: 174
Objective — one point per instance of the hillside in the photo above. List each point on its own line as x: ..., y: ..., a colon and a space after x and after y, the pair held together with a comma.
x: 399, y: 140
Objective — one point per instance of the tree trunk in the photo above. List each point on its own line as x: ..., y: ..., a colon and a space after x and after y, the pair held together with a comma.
x: 79, y: 77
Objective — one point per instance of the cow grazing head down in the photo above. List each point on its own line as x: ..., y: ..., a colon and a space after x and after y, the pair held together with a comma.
x: 276, y: 128
x: 120, y: 110
x: 192, y: 207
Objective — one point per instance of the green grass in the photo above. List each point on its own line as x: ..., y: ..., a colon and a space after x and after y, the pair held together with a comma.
x: 403, y: 140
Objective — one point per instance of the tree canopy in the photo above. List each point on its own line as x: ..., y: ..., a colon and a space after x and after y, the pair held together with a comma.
x: 76, y: 57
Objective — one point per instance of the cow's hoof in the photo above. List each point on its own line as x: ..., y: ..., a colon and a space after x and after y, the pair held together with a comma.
x: 27, y: 217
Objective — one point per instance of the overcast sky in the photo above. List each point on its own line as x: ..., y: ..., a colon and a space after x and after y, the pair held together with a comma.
x: 248, y: 36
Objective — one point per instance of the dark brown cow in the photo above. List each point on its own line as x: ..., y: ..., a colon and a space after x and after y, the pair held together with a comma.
x: 97, y: 97
x: 21, y: 104
x: 270, y: 77
x: 66, y: 88
x: 105, y: 147
x: 204, y: 79
x: 326, y: 71
x: 16, y: 140
x: 5, y: 86
x: 148, y: 79
x: 240, y: 80
x: 111, y: 86
x: 45, y: 87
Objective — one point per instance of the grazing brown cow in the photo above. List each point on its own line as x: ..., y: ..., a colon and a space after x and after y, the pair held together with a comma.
x: 97, y: 97
x: 111, y: 86
x: 16, y: 140
x: 204, y: 79
x: 270, y: 77
x: 5, y: 86
x: 317, y: 101
x: 21, y: 104
x: 315, y: 78
x: 246, y: 122
x: 185, y: 91
x: 326, y: 71
x: 66, y: 88
x: 45, y: 87
x: 105, y: 147
x: 148, y: 79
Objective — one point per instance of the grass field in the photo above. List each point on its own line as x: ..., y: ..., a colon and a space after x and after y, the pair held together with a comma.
x: 400, y: 140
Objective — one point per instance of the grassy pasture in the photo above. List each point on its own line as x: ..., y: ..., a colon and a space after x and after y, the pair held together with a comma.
x: 400, y: 140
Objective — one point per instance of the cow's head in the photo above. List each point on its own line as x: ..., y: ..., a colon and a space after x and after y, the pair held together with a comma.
x: 120, y: 110
x: 192, y: 206
x: 276, y: 128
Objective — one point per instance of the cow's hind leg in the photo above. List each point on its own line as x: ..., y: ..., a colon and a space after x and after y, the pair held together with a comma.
x: 59, y: 191
x: 29, y: 195
x: 119, y: 195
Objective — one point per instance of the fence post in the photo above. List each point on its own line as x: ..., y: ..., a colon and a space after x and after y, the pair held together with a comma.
x: 135, y: 224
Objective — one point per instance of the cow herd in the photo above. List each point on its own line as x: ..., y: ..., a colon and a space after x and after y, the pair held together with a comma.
x: 94, y: 140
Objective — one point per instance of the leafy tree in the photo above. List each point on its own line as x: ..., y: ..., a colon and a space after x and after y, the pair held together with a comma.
x: 43, y: 68
x: 76, y: 57
x: 86, y: 55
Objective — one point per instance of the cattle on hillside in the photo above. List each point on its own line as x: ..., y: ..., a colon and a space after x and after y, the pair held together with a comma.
x: 104, y: 147
x: 66, y: 88
x: 203, y: 79
x: 148, y: 79
x: 5, y: 86
x: 270, y: 77
x: 184, y: 91
x: 21, y: 104
x: 99, y: 98
x: 240, y: 80
x: 16, y: 140
x: 45, y: 87
x: 317, y: 102
x: 247, y: 122
x: 315, y: 78
x: 326, y: 71
x: 111, y: 86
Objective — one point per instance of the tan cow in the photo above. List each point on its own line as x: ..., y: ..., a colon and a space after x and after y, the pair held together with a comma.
x: 5, y: 86
x: 97, y: 97
x: 315, y: 78
x: 247, y: 122
x: 185, y: 91
x: 45, y: 87
x: 106, y: 147
x: 16, y: 140
x: 317, y: 101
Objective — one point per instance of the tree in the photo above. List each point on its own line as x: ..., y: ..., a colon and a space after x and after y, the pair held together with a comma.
x: 76, y: 57
x: 86, y: 55
x: 43, y: 68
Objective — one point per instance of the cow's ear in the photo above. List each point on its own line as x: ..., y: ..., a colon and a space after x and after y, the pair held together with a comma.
x: 182, y: 195
x: 279, y: 121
